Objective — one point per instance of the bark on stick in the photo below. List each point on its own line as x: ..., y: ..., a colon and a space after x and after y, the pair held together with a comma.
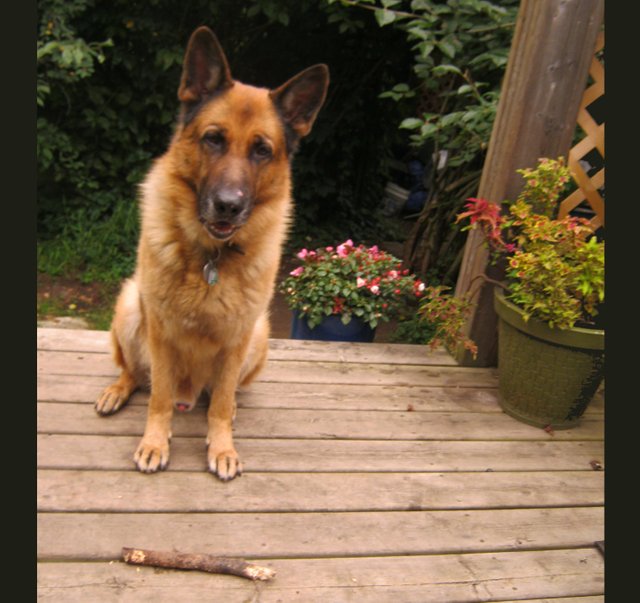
x: 197, y: 561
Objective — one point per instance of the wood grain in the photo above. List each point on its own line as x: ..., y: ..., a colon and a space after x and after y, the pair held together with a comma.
x: 101, y: 536
x: 415, y: 579
x: 364, y: 480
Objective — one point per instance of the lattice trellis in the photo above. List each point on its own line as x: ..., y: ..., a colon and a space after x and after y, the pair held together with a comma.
x: 588, y: 186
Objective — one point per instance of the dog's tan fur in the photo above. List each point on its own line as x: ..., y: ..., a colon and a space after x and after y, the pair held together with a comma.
x: 172, y: 330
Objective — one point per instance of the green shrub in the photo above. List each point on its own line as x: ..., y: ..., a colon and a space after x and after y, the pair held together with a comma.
x: 449, y: 99
x: 93, y: 250
x: 107, y: 78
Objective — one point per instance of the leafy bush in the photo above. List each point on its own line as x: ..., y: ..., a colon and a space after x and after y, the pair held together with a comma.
x: 447, y: 316
x: 556, y: 272
x: 460, y: 50
x: 555, y: 267
x: 413, y: 330
x: 61, y: 57
x: 107, y: 81
x: 93, y: 250
x: 349, y: 281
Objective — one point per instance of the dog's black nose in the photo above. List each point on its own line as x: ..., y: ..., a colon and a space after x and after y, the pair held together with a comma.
x: 229, y: 202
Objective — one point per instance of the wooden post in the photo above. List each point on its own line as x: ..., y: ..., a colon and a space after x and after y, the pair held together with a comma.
x: 546, y: 74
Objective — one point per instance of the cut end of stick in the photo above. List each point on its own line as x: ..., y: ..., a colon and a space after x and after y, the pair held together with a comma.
x: 135, y: 556
x: 257, y: 572
x: 199, y: 562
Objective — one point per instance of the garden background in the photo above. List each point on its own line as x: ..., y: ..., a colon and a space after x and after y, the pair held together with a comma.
x: 413, y: 83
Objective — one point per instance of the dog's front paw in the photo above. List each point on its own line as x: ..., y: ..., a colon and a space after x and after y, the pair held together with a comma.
x: 152, y: 454
x: 225, y: 464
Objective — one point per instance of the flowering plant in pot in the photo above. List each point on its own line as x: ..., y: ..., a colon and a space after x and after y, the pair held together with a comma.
x: 553, y: 292
x: 350, y: 283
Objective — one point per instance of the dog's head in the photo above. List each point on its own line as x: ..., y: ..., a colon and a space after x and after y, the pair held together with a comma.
x: 240, y: 138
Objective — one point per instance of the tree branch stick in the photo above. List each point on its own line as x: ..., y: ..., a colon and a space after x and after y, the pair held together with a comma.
x: 197, y: 561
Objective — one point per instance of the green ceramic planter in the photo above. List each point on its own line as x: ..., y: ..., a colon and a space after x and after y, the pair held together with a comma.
x: 547, y: 377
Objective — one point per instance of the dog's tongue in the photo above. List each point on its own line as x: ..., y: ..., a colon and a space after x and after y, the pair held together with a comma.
x: 223, y: 227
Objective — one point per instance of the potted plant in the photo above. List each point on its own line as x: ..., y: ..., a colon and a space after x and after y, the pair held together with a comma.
x: 342, y: 293
x: 550, y: 341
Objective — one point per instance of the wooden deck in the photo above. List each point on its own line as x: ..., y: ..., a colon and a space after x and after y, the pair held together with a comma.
x: 373, y: 473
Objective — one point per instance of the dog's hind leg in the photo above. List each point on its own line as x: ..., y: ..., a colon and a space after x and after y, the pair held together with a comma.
x: 116, y: 395
x: 129, y: 351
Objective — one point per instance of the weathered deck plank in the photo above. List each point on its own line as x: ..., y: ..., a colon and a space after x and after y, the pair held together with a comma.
x: 421, y: 579
x: 80, y: 451
x: 372, y: 473
x: 87, y: 388
x: 279, y: 349
x: 179, y: 491
x: 64, y: 536
x: 327, y: 424
x: 296, y: 371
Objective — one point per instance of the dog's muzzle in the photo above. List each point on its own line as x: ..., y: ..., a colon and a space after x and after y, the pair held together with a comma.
x: 224, y: 211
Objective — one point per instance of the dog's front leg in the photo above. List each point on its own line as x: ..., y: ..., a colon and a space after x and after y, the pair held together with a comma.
x: 153, y: 452
x: 222, y: 456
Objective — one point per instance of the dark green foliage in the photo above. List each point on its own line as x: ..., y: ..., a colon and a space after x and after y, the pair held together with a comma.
x: 414, y: 330
x: 92, y: 249
x: 460, y: 50
x: 108, y: 72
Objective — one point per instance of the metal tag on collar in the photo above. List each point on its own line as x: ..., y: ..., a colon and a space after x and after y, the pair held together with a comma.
x: 210, y: 273
x: 210, y: 270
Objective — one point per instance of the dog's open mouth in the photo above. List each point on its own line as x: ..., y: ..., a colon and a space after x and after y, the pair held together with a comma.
x: 221, y: 229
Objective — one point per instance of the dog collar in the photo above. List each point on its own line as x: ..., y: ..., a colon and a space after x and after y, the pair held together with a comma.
x: 210, y: 270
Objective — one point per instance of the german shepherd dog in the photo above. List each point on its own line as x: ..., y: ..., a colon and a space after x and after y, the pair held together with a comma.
x: 215, y: 209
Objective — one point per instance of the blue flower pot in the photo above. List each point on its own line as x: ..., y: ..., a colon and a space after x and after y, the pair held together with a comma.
x: 332, y: 329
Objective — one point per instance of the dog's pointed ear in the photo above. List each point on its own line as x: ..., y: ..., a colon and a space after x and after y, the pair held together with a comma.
x: 299, y: 100
x: 205, y: 69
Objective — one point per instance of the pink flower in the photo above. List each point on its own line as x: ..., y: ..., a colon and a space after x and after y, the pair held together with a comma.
x: 297, y: 272
x: 393, y: 274
x: 343, y: 250
x: 303, y: 253
x: 360, y: 282
x: 329, y: 249
x: 374, y: 289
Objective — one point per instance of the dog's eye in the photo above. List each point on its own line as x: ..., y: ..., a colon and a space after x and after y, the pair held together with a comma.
x: 261, y: 150
x: 215, y: 139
